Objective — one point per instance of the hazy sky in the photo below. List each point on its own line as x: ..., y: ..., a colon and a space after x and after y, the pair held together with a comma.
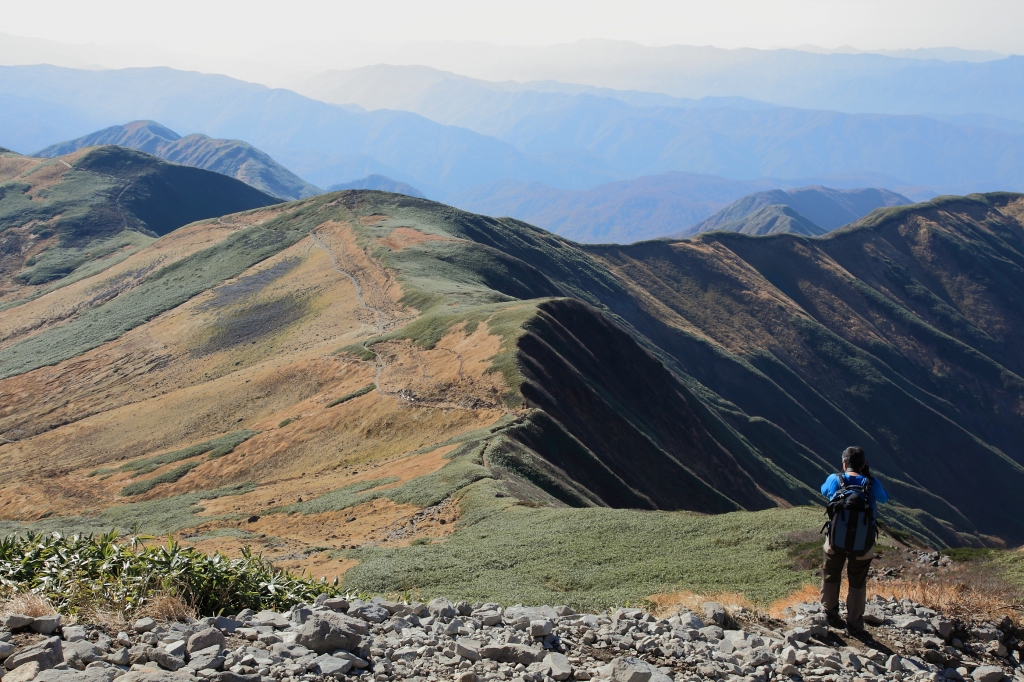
x: 277, y: 28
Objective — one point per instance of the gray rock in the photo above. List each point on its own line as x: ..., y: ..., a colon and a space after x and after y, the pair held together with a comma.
x: 144, y: 625
x: 943, y: 627
x: 688, y: 620
x: 630, y: 670
x: 25, y: 673
x: 155, y: 675
x: 120, y: 657
x: 514, y: 613
x: 714, y: 611
x: 80, y: 652
x: 47, y: 653
x: 467, y: 648
x: 177, y: 648
x: 45, y: 625
x: 229, y: 676
x: 442, y: 608
x: 510, y: 653
x: 873, y: 614
x: 330, y: 666
x: 16, y: 621
x: 541, y: 628
x: 559, y: 664
x: 336, y: 603
x: 911, y: 622
x: 324, y: 636
x: 712, y: 632
x: 205, y: 639
x: 139, y: 654
x: 89, y: 675
x: 407, y: 654
x: 988, y: 673
x: 344, y: 622
x: 210, y: 658
x: 986, y: 633
x: 227, y: 625
x: 6, y: 649
x: 165, y: 659
x: 488, y: 618
x: 72, y: 633
x: 894, y: 664
x: 374, y: 613
x: 357, y: 662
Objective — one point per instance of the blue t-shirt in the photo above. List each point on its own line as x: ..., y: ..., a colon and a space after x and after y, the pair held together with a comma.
x: 831, y: 486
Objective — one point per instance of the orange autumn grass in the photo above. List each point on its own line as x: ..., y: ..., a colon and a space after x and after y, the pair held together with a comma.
x: 957, y: 594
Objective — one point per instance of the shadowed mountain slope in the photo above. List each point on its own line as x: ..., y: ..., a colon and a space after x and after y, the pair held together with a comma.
x: 824, y: 207
x: 772, y: 219
x: 86, y: 210
x: 233, y: 158
x: 380, y: 183
x: 714, y: 374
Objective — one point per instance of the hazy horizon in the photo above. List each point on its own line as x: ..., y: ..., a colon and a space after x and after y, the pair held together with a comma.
x: 273, y: 43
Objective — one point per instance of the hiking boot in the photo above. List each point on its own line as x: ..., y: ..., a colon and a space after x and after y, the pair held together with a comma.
x: 835, y: 620
x: 855, y: 628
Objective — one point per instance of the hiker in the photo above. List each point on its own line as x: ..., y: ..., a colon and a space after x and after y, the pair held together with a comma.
x: 852, y: 497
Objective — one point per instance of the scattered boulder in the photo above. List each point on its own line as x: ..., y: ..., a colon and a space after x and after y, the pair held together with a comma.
x: 442, y: 608
x: 16, y: 621
x: 205, y: 639
x: 630, y: 669
x: 24, y: 673
x: 45, y: 625
x: 323, y: 636
x: 560, y: 668
x: 510, y: 653
x: 714, y: 611
x: 47, y: 653
x: 144, y: 625
x: 988, y: 673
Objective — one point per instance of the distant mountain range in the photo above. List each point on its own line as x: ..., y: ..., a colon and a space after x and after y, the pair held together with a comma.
x: 234, y: 158
x: 811, y: 211
x: 851, y: 83
x: 675, y: 204
x: 569, y: 141
x: 380, y: 183
x: 621, y: 212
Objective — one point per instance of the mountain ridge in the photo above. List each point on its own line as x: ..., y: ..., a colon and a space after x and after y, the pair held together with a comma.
x: 61, y: 218
x: 478, y: 348
x: 233, y: 158
x: 812, y: 207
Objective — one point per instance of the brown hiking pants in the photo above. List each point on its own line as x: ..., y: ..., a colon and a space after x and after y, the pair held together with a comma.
x: 832, y: 576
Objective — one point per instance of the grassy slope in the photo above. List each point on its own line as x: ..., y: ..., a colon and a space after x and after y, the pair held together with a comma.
x: 776, y: 386
x: 589, y: 558
x: 102, y: 207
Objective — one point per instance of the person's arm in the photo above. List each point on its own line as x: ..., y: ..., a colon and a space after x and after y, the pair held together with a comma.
x: 829, y: 487
x: 878, y: 491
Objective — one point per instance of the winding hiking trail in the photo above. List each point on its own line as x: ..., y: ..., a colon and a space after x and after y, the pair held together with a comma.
x: 382, y: 322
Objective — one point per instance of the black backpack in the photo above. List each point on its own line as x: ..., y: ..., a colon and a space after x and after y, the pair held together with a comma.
x: 851, y: 525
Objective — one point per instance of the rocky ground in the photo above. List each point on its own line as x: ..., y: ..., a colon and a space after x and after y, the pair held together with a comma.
x: 383, y: 641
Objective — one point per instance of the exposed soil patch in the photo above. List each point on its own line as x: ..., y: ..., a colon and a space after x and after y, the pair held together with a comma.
x: 402, y: 237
